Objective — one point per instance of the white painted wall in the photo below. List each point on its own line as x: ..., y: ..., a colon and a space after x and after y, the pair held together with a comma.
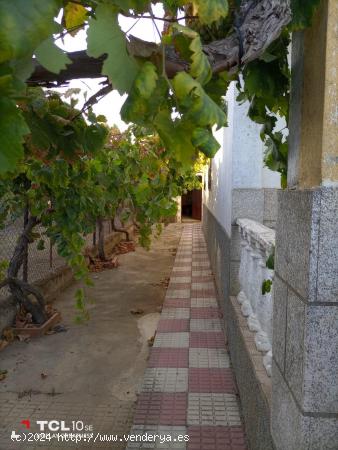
x: 218, y: 199
x: 239, y: 162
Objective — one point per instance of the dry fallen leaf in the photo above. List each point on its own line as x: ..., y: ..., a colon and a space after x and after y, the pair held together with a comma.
x: 19, y: 323
x: 3, y: 344
x: 136, y: 311
x: 49, y: 310
x: 3, y: 374
x: 97, y: 265
x: 164, y: 282
x: 23, y: 337
x: 8, y: 334
x: 57, y: 329
x: 125, y: 247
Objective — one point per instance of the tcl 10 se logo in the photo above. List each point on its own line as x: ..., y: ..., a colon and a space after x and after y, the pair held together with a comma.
x: 58, y: 425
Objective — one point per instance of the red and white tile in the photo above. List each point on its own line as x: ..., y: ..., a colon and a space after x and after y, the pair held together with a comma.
x: 189, y: 386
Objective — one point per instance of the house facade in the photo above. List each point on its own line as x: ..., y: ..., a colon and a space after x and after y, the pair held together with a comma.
x: 283, y: 339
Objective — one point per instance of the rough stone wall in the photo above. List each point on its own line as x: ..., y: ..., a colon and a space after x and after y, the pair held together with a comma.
x: 305, y: 328
x: 305, y: 340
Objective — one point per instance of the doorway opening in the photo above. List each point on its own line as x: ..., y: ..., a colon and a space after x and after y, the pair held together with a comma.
x: 191, y: 206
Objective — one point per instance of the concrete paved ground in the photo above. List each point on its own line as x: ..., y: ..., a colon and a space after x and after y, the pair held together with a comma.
x: 93, y: 371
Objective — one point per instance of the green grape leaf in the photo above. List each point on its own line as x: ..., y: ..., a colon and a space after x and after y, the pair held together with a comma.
x: 204, y: 141
x: 105, y: 36
x: 142, y: 108
x: 302, y: 13
x: 12, y: 130
x: 145, y: 82
x: 200, y: 66
x: 267, y: 82
x: 24, y: 25
x: 275, y: 154
x: 257, y: 110
x: 200, y: 108
x: 101, y: 118
x: 11, y: 84
x: 6, y: 83
x: 51, y: 56
x: 74, y: 16
x: 80, y: 299
x: 137, y: 5
x: 268, y: 57
x: 176, y: 136
x: 217, y: 88
x: 211, y: 10
x: 23, y: 67
x: 173, y: 5
x: 268, y: 127
x: 258, y: 79
x: 95, y: 137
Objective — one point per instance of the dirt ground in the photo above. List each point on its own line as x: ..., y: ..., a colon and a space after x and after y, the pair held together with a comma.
x: 90, y: 372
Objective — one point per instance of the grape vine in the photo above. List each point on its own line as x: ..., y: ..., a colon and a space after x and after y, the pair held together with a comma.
x: 66, y: 191
x: 69, y: 168
x: 178, y: 106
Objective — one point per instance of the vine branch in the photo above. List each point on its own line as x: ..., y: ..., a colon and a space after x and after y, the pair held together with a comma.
x: 260, y: 23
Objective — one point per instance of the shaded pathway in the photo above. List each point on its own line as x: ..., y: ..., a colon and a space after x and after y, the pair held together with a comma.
x: 189, y: 387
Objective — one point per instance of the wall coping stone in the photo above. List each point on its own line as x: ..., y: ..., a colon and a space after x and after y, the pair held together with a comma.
x: 263, y: 235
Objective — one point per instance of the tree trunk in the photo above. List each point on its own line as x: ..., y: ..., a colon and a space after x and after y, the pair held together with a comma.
x: 30, y: 298
x: 26, y: 295
x: 120, y: 230
x: 100, y: 244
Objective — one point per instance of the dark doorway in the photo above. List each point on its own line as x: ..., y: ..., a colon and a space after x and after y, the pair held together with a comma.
x: 192, y: 205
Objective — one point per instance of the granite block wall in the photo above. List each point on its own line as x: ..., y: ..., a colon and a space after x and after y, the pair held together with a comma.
x: 305, y: 339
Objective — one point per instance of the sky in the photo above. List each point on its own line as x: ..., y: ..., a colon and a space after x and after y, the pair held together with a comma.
x: 111, y: 104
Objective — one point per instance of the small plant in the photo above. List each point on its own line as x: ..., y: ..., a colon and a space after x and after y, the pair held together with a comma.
x: 266, y: 286
x: 270, y: 264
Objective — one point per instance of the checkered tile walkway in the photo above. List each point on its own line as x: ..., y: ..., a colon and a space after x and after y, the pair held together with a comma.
x: 189, y: 387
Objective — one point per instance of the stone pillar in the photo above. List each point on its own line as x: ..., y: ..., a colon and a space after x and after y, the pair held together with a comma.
x: 305, y: 323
